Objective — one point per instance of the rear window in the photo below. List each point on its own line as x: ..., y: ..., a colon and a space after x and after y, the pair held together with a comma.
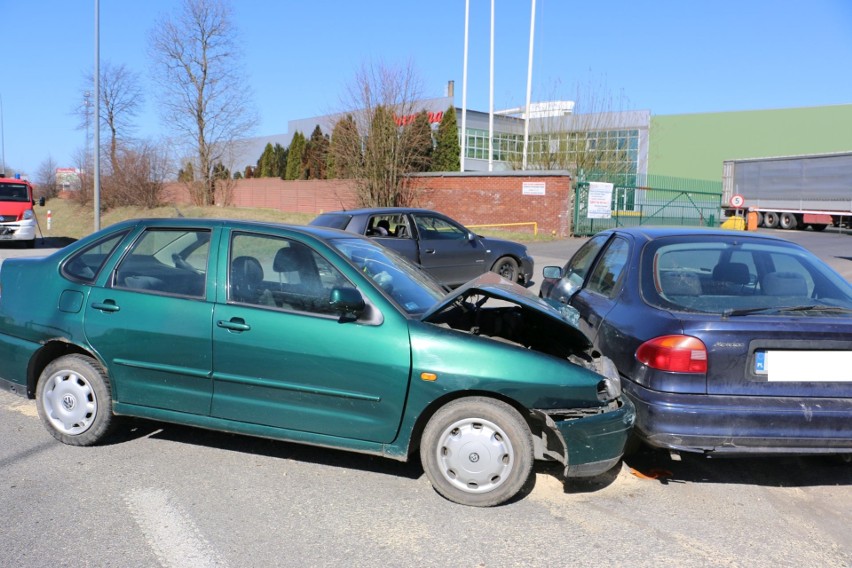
x: 332, y: 220
x: 720, y: 275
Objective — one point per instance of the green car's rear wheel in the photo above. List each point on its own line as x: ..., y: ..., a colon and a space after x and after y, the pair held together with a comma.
x: 73, y: 400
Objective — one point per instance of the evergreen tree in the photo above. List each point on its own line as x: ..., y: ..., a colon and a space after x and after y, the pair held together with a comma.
x: 419, y: 134
x: 445, y: 158
x: 220, y: 171
x: 265, y: 163
x: 280, y: 158
x: 295, y: 157
x: 316, y: 155
x: 187, y: 173
x: 344, y: 153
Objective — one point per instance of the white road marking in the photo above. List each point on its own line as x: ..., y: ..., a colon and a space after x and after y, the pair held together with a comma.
x: 171, y: 533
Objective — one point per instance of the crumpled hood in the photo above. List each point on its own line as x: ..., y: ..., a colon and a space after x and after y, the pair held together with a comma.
x: 561, y: 323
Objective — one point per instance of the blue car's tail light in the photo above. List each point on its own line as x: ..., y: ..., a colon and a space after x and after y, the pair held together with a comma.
x: 674, y: 353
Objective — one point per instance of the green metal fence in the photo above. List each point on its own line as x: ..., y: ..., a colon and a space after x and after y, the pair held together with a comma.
x: 649, y: 200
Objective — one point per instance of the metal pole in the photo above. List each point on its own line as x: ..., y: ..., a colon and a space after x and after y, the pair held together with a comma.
x: 491, y: 98
x: 97, y: 142
x: 464, y: 87
x: 529, y: 86
x: 2, y: 138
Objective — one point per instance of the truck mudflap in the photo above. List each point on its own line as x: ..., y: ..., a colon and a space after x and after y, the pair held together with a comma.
x: 586, y: 441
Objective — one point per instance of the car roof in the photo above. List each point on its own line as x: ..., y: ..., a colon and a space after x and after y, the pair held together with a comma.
x: 311, y: 230
x: 650, y: 233
x: 381, y: 210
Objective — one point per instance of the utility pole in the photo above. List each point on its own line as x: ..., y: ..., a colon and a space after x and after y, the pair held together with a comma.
x: 97, y: 185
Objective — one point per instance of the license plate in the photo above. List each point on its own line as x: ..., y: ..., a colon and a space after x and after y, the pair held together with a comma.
x: 804, y: 366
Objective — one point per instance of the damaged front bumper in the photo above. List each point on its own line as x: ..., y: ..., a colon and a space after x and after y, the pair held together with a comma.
x: 587, y: 441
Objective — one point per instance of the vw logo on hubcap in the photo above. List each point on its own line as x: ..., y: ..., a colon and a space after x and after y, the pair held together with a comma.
x: 474, y: 457
x: 69, y: 402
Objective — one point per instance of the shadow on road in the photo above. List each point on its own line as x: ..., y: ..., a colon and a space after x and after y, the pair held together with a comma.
x: 770, y: 471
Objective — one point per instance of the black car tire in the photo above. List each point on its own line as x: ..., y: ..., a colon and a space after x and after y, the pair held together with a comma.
x: 477, y: 451
x: 507, y: 267
x: 74, y: 400
x: 787, y: 221
x: 770, y: 219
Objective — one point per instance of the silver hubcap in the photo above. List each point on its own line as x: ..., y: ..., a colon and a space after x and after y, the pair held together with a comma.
x: 69, y: 402
x: 475, y: 455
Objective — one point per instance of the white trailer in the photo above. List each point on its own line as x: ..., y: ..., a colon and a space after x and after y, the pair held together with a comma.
x: 791, y: 192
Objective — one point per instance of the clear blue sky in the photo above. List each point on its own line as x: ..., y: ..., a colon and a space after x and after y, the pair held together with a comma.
x: 669, y: 57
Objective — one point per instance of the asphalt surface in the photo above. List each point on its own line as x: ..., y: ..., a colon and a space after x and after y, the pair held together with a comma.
x: 171, y: 496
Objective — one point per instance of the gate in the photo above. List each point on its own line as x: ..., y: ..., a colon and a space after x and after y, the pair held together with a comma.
x: 659, y: 201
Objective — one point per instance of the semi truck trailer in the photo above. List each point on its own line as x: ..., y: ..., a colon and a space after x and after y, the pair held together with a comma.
x: 791, y: 192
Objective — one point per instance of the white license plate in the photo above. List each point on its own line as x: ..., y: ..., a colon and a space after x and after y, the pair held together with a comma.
x: 804, y: 366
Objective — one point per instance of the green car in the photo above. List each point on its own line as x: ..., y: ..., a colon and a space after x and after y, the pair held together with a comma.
x: 310, y: 335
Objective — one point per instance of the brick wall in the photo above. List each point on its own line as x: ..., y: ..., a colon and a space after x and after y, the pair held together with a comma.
x: 472, y: 199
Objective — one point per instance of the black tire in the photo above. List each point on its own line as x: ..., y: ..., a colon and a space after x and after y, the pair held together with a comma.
x: 818, y: 227
x: 74, y: 400
x: 759, y: 219
x: 493, y: 454
x: 770, y: 219
x: 787, y: 221
x: 507, y: 267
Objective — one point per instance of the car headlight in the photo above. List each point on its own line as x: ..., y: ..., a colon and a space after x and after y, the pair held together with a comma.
x: 28, y: 214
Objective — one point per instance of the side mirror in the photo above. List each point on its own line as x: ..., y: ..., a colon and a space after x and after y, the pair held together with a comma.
x: 41, y: 201
x: 347, y: 302
x: 551, y: 272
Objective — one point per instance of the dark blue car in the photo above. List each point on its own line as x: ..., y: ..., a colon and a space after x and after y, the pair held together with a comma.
x: 727, y: 342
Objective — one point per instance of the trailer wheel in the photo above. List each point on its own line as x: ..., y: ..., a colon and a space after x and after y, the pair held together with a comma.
x: 818, y: 227
x: 770, y: 219
x: 759, y: 218
x: 787, y: 221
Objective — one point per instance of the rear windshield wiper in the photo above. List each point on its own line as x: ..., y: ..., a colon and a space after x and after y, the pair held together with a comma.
x: 776, y: 309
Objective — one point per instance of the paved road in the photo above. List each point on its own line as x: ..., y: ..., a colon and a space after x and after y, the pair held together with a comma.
x: 162, y: 495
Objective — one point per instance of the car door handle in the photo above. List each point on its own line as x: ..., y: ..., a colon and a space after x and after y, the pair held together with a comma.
x: 429, y: 251
x: 106, y: 306
x: 235, y: 324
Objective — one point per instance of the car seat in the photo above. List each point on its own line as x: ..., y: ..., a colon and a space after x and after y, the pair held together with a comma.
x: 246, y: 277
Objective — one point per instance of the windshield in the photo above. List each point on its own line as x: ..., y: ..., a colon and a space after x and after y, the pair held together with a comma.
x: 740, y: 276
x: 411, y: 288
x: 14, y: 192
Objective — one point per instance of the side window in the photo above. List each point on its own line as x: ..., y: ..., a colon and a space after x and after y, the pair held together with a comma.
x: 166, y: 261
x: 607, y: 273
x: 281, y: 274
x: 436, y: 228
x: 577, y: 268
x: 86, y: 263
x: 388, y: 226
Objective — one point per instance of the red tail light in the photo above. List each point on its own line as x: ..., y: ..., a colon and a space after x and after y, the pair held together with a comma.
x: 675, y: 353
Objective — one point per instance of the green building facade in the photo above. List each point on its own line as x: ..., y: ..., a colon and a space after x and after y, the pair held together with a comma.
x: 695, y: 145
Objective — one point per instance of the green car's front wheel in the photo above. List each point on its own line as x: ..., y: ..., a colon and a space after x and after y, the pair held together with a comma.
x: 477, y: 451
x: 73, y: 400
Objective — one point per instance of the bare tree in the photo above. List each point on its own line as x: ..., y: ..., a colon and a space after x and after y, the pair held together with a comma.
x: 584, y: 140
x: 383, y: 102
x: 138, y: 178
x: 46, y: 178
x: 121, y: 98
x: 203, y: 91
